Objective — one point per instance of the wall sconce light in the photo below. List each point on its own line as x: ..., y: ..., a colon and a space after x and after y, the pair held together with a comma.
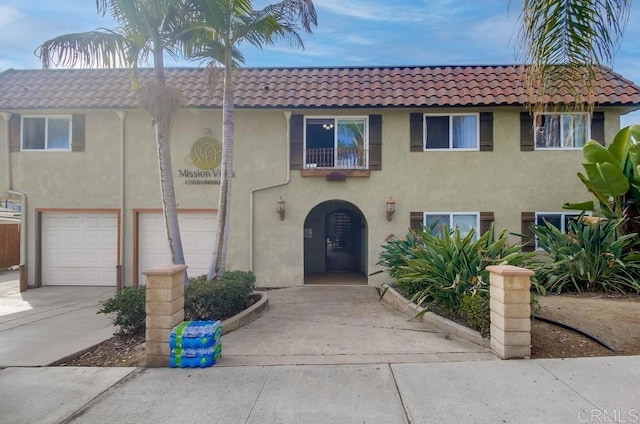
x: 391, y: 208
x: 280, y: 208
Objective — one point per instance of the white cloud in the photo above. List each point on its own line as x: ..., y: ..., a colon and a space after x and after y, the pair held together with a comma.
x: 390, y: 10
x: 8, y: 15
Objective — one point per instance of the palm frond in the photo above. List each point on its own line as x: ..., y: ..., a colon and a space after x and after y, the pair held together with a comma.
x: 564, y: 43
x: 101, y: 48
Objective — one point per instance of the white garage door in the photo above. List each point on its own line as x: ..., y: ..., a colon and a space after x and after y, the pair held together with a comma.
x: 79, y: 249
x: 197, y: 230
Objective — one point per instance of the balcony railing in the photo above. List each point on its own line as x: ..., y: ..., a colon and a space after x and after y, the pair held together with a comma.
x: 336, y: 158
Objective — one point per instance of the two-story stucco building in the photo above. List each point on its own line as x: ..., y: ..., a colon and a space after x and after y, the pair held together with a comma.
x: 328, y: 162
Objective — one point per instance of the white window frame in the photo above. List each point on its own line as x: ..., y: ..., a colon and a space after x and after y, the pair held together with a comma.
x: 563, y: 216
x: 451, y: 148
x: 46, y: 133
x: 451, y: 215
x: 335, y: 137
x: 562, y: 147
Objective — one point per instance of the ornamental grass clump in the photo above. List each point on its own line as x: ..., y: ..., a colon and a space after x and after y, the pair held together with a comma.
x: 441, y: 269
x: 592, y: 255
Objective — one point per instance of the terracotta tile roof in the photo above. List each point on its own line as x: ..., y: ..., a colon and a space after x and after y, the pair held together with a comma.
x: 294, y: 87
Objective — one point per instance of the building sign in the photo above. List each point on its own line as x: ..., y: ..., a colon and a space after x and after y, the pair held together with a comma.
x: 204, y: 160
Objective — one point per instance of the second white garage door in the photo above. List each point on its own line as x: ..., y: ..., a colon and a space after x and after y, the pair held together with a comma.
x: 197, y: 230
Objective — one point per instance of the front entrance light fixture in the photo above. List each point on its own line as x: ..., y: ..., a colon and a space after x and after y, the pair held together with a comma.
x: 391, y: 208
x: 280, y: 208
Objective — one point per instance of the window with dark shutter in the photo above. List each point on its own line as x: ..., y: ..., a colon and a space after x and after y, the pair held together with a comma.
x: 597, y: 127
x: 560, y: 131
x: 486, y: 219
x: 58, y: 133
x: 296, y: 141
x: 416, y: 132
x: 486, y: 131
x: 526, y: 132
x: 77, y: 132
x: 528, y: 219
x: 416, y: 221
x: 14, y: 133
x: 375, y: 142
x: 457, y: 131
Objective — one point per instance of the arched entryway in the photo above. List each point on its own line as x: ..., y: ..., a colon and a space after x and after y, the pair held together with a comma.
x: 335, y: 244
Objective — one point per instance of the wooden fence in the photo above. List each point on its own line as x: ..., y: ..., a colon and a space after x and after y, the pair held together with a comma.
x: 9, y: 245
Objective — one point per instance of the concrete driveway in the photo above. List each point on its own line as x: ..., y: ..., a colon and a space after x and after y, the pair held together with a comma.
x: 44, y: 325
x: 340, y: 325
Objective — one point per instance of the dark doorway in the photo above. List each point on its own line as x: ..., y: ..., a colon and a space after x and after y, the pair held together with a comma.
x: 335, y: 242
x: 343, y: 230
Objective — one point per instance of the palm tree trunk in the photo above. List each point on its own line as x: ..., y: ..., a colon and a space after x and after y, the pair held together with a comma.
x: 168, y: 194
x: 219, y: 257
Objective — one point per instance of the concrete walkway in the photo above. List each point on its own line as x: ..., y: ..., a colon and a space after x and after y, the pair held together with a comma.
x: 365, y: 363
x: 340, y: 325
x: 586, y: 390
x: 41, y: 326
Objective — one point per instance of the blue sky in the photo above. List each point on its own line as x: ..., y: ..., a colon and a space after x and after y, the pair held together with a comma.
x: 349, y: 33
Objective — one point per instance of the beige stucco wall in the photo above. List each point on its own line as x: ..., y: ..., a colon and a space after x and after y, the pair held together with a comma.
x: 505, y: 181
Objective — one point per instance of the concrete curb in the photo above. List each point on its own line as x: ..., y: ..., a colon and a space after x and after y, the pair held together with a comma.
x: 397, y: 301
x: 249, y: 315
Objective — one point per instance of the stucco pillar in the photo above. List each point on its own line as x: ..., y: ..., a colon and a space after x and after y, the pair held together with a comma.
x: 510, y: 311
x: 164, y: 308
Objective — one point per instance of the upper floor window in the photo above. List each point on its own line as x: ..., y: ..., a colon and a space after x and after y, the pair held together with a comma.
x: 451, y: 131
x: 332, y: 142
x: 465, y: 221
x: 46, y: 133
x: 561, y: 130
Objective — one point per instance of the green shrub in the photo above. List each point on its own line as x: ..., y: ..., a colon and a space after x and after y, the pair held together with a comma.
x: 474, y: 309
x: 397, y: 252
x: 217, y: 299
x: 589, y: 257
x: 444, y: 268
x: 128, y: 308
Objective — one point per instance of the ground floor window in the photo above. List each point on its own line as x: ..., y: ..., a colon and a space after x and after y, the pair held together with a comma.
x: 465, y: 221
x: 560, y: 220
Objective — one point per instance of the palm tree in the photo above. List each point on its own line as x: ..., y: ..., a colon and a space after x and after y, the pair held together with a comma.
x: 224, y: 25
x: 579, y: 35
x: 147, y: 28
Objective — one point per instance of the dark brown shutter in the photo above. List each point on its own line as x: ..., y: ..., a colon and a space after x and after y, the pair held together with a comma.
x: 486, y: 219
x: 416, y: 132
x: 375, y: 142
x: 14, y: 133
x: 528, y: 219
x: 77, y: 132
x: 597, y: 127
x: 416, y: 221
x: 486, y: 131
x: 526, y: 132
x: 296, y: 141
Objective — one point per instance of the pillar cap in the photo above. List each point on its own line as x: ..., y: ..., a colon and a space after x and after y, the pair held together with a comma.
x: 510, y: 270
x: 168, y: 269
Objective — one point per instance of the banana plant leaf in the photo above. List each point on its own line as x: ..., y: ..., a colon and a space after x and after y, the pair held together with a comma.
x: 608, y: 178
x: 596, y: 153
x: 582, y: 206
x: 605, y: 203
